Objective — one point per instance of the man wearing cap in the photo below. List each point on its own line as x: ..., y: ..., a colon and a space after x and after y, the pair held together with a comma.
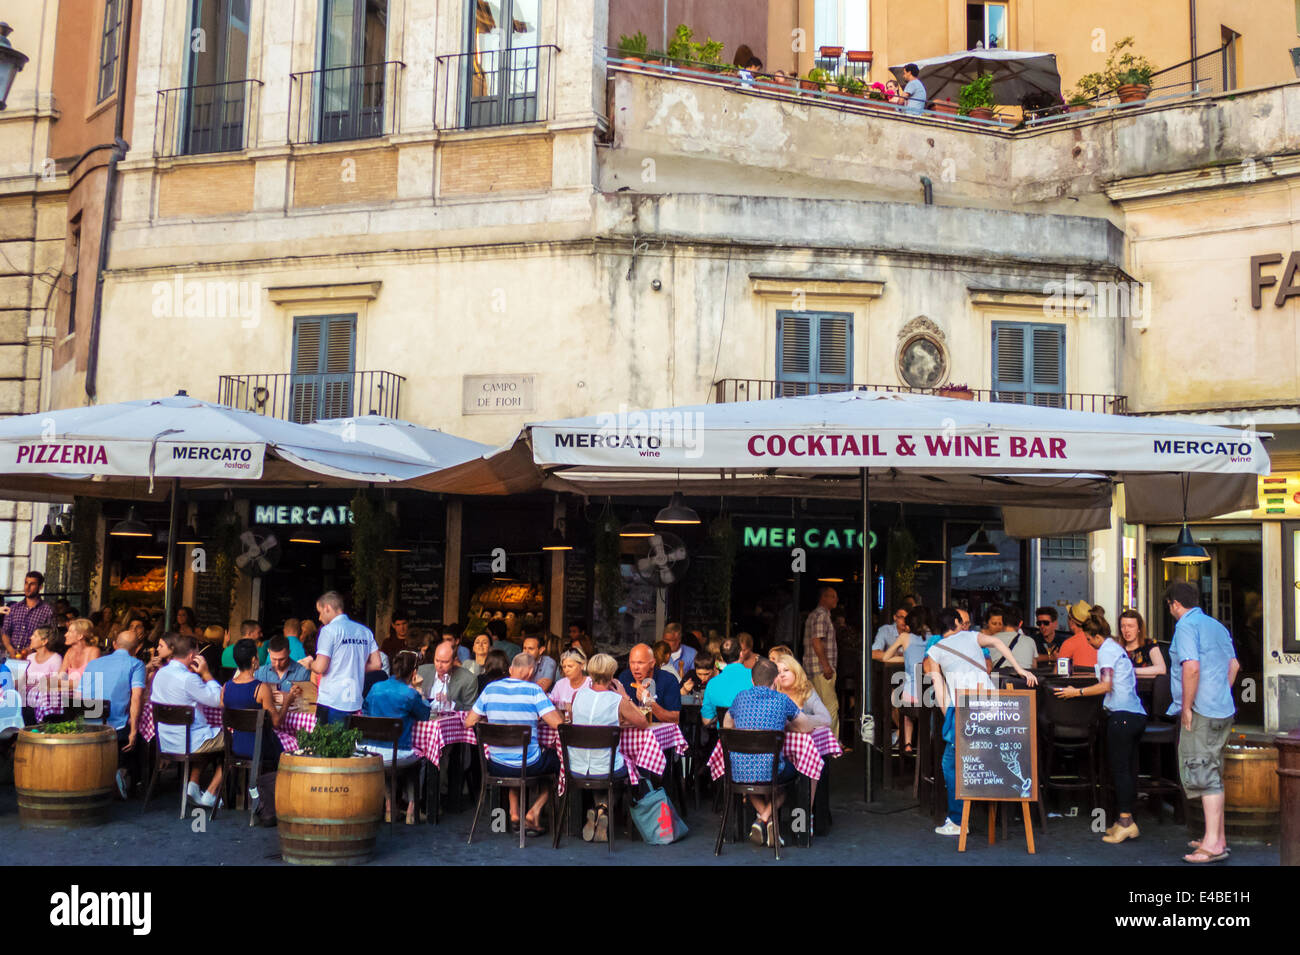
x: 1077, y: 647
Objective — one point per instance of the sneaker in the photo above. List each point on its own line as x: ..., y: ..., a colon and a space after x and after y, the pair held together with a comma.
x: 589, y: 828
x: 756, y: 834
x: 206, y: 800
x: 194, y: 793
x: 949, y: 828
x: 123, y: 784
x: 773, y: 833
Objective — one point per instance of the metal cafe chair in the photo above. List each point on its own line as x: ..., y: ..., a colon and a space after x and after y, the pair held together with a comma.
x: 508, y: 736
x: 604, y: 738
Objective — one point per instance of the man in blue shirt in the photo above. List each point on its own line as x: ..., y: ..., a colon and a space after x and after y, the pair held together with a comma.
x: 646, y: 684
x: 281, y: 670
x: 118, y: 678
x: 1202, y: 668
x: 722, y: 689
x: 913, y: 91
x: 762, y: 708
x: 517, y: 700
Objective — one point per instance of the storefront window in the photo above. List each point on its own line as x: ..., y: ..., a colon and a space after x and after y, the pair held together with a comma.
x: 976, y: 583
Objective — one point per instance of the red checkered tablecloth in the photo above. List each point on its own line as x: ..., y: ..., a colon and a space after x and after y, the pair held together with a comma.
x: 805, y: 751
x: 211, y: 713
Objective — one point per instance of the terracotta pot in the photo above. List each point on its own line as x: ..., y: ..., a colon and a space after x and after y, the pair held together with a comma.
x: 633, y: 62
x: 808, y: 85
x: 961, y: 394
x: 860, y: 56
x: 1132, y: 92
x: 831, y: 52
x: 944, y: 107
x: 1079, y: 107
x: 981, y: 112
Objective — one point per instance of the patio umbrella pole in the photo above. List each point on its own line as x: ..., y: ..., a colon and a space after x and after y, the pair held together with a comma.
x: 867, y: 731
x: 169, y: 601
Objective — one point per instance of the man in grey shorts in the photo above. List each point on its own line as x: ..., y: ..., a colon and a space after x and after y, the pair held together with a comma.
x: 1202, y: 668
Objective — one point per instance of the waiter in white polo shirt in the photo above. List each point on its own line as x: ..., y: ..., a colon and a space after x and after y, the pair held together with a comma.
x: 345, y: 650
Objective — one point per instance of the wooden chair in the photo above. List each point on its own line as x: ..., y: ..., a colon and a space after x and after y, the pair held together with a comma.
x: 508, y: 736
x: 164, y: 715
x: 250, y: 720
x: 753, y: 743
x: 383, y: 729
x: 592, y: 738
x: 87, y: 710
x: 695, y: 764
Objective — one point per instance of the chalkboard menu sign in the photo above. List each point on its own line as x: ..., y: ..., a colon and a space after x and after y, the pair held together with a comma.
x: 419, y: 586
x: 208, y: 599
x: 997, y: 746
x: 578, y: 575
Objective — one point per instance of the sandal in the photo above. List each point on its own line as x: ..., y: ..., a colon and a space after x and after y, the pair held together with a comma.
x: 514, y: 825
x: 1196, y: 844
x: 1202, y: 857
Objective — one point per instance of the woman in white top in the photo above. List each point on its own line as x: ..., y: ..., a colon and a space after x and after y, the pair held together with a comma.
x: 603, y: 703
x: 573, y: 665
x: 956, y: 662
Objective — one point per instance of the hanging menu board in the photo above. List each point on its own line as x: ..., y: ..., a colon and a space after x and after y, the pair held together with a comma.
x: 997, y: 745
x: 419, y: 587
x: 578, y: 573
x: 208, y: 599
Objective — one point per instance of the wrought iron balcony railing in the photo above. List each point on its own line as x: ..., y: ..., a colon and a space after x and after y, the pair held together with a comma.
x: 343, y: 103
x: 307, y: 398
x: 758, y: 389
x: 495, y: 87
x: 208, y: 118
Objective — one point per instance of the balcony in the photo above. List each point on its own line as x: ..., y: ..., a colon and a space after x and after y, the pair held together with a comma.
x: 208, y: 118
x: 344, y: 103
x: 495, y: 88
x: 760, y: 389
x: 307, y: 398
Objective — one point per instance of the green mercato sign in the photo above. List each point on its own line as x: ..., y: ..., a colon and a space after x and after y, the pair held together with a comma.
x: 815, y: 537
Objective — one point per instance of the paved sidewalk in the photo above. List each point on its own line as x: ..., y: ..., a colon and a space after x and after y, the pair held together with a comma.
x: 890, y: 834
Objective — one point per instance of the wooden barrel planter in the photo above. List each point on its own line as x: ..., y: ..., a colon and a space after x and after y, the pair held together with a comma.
x: 328, y: 810
x: 65, y: 780
x: 1250, y: 791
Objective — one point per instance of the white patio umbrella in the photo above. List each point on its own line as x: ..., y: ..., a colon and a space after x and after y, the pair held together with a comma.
x: 437, y: 448
x: 124, y: 449
x: 1051, y: 469
x: 1016, y: 74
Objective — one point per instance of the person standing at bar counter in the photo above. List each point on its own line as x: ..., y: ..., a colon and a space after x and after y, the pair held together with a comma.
x: 1202, y: 668
x: 1126, y: 719
x: 820, y: 653
x: 1077, y: 648
x: 345, y: 651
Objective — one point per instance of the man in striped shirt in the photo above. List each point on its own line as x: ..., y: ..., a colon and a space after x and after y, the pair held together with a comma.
x: 518, y: 701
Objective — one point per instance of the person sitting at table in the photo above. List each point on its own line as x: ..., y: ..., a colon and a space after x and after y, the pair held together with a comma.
x: 760, y: 707
x: 887, y: 635
x: 399, y: 697
x: 722, y: 689
x: 244, y: 691
x: 1146, y: 657
x: 777, y: 650
x: 479, y: 650
x: 1077, y: 648
x: 1021, y: 645
x: 544, y: 671
x: 81, y: 649
x: 450, y: 634
x: 646, y: 684
x: 118, y: 679
x: 1045, y: 633
x: 956, y: 662
x: 500, y: 640
x: 1126, y: 719
x: 747, y: 655
x: 603, y: 702
x: 909, y: 648
x: 186, y: 680
x: 281, y: 671
x: 292, y: 633
x: 308, y: 637
x: 496, y: 667
x: 794, y: 683
x: 663, y: 656
x: 573, y: 665
x: 248, y: 630
x: 399, y: 632
x: 212, y: 646
x: 44, y: 660
x: 516, y: 700
x: 681, y: 656
x: 445, y: 683
x: 702, y: 672
x: 157, y: 660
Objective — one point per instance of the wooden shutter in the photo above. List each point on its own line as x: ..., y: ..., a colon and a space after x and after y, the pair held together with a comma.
x: 1048, y: 355
x: 1029, y: 364
x: 323, y: 350
x: 814, y: 352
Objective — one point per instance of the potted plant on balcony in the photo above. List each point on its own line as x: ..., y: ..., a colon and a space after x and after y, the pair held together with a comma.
x: 851, y: 85
x: 944, y: 106
x: 633, y: 49
x: 859, y: 56
x: 1127, y: 73
x: 831, y: 52
x: 976, y: 97
x: 679, y: 47
x: 1079, y: 101
x: 959, y: 391
x: 878, y: 95
x: 817, y: 80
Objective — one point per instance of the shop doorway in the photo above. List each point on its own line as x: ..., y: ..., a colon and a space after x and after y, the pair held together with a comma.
x: 1230, y: 585
x: 976, y: 583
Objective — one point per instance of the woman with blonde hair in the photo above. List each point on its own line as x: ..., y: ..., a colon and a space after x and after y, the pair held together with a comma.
x: 603, y: 702
x: 792, y: 680
x: 81, y: 649
x: 308, y: 636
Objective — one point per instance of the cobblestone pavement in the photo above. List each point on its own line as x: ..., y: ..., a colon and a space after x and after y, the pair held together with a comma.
x: 890, y: 833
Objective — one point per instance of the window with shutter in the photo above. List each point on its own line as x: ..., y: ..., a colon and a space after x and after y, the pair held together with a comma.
x: 323, y: 350
x: 1029, y: 364
x: 814, y: 353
